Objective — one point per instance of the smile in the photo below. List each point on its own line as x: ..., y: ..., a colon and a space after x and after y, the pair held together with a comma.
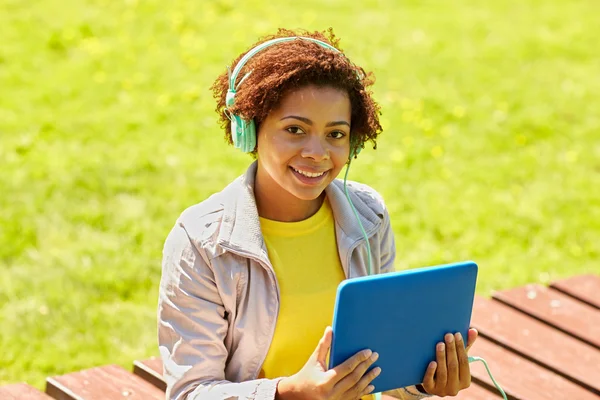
x: 309, y: 174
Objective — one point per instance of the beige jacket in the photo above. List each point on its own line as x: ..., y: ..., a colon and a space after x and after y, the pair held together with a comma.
x: 219, y: 297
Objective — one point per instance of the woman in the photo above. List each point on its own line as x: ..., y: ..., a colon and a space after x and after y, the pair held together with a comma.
x: 250, y: 274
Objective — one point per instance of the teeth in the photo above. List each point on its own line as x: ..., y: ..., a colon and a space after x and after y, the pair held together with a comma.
x: 308, y: 174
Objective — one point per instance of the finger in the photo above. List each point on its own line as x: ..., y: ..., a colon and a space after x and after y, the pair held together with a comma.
x: 428, y: 382
x: 452, y: 360
x: 366, y: 380
x: 368, y: 390
x: 359, y: 388
x: 352, y: 379
x: 346, y: 368
x: 472, y: 336
x: 441, y: 375
x: 323, y: 347
x: 464, y: 371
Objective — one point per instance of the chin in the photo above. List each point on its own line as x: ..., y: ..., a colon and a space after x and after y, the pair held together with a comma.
x: 307, y: 195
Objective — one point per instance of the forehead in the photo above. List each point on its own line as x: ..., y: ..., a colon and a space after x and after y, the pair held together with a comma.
x: 316, y: 101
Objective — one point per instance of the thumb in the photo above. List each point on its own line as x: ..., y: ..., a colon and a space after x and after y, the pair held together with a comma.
x: 320, y: 353
x: 473, y: 334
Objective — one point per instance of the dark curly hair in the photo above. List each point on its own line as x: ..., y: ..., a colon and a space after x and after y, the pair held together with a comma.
x: 291, y: 65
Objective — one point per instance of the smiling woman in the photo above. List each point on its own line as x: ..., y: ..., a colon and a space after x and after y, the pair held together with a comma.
x: 250, y: 274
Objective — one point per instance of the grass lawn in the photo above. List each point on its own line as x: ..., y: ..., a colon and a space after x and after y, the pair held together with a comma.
x: 490, y: 151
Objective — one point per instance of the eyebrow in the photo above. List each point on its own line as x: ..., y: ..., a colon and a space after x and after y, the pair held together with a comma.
x: 309, y: 122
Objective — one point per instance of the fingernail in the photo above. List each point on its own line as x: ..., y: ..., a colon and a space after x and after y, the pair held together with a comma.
x: 440, y: 346
x: 374, y: 357
x: 449, y: 338
x: 458, y: 337
x: 432, y: 364
x: 368, y: 353
x: 370, y: 388
x: 377, y: 371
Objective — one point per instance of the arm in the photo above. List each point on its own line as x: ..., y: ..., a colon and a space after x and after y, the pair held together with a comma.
x: 192, y: 327
x: 388, y: 255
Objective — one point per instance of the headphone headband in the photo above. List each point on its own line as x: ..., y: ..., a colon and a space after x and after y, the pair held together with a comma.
x: 233, y: 76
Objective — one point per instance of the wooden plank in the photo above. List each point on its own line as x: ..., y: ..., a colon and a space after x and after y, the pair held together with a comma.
x: 521, y: 379
x: 21, y: 391
x: 474, y: 392
x: 102, y: 383
x: 151, y: 370
x: 538, y: 342
x: 556, y: 309
x: 585, y: 288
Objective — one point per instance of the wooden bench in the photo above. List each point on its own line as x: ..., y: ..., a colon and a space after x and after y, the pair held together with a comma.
x: 541, y: 343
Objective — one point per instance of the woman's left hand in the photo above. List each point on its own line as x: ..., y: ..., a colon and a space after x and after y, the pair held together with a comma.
x: 451, y: 373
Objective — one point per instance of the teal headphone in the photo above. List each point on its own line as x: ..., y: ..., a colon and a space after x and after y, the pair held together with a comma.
x: 243, y: 132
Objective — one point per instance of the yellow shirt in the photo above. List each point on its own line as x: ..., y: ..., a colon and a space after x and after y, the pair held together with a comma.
x: 307, y: 265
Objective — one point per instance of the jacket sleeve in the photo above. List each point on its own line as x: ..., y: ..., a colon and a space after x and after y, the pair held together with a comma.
x: 192, y: 326
x: 388, y: 255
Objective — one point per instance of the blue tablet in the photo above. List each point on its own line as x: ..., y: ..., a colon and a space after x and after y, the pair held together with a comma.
x: 402, y: 315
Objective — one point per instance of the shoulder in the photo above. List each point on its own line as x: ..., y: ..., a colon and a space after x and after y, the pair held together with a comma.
x: 366, y: 195
x: 199, y: 224
x: 202, y: 220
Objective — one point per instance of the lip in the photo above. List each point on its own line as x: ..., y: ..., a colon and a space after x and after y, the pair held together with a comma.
x: 310, y: 181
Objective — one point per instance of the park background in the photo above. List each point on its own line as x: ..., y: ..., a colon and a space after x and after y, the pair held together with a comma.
x: 490, y: 150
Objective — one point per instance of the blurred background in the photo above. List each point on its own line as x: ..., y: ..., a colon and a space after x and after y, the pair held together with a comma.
x: 490, y: 150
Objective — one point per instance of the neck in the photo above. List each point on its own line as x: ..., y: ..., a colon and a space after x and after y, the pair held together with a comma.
x: 277, y: 204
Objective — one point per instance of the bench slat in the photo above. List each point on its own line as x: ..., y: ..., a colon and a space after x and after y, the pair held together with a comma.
x: 585, y: 288
x: 521, y: 379
x: 101, y: 383
x: 473, y: 392
x: 151, y: 370
x: 556, y: 309
x: 538, y: 342
x: 21, y: 391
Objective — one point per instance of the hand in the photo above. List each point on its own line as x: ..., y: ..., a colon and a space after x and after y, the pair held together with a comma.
x: 346, y: 381
x: 451, y: 373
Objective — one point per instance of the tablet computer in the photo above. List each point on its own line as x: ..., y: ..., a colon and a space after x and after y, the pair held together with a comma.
x: 402, y: 316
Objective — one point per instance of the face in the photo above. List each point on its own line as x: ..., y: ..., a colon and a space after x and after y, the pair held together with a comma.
x: 305, y: 142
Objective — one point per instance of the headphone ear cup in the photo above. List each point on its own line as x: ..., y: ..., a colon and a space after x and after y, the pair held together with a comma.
x: 243, y: 134
x: 236, y: 131
x: 250, y: 136
x: 355, y: 148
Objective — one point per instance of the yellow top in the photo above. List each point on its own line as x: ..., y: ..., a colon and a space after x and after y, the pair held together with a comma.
x: 307, y: 265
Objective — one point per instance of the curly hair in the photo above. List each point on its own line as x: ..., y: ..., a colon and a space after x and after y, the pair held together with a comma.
x: 287, y: 66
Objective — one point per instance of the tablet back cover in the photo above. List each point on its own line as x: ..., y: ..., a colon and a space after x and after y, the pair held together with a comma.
x: 401, y: 316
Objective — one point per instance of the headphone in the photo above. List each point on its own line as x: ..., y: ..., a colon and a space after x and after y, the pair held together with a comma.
x: 243, y: 132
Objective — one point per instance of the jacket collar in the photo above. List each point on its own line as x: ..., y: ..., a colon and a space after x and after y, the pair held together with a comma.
x: 240, y: 227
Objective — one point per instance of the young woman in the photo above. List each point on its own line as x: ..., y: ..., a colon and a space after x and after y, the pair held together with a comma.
x: 250, y: 274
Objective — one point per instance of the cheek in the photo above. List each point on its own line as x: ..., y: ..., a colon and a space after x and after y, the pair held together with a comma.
x: 273, y: 151
x: 340, y: 157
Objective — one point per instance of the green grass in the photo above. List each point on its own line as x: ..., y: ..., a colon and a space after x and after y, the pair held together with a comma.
x: 490, y: 151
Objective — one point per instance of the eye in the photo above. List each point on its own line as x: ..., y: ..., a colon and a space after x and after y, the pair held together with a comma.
x: 295, y: 130
x: 337, y: 134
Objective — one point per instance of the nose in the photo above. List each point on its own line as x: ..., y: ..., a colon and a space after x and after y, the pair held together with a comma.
x: 315, y: 147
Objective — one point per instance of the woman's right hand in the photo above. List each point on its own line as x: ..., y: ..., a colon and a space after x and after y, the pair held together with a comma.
x: 314, y: 381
